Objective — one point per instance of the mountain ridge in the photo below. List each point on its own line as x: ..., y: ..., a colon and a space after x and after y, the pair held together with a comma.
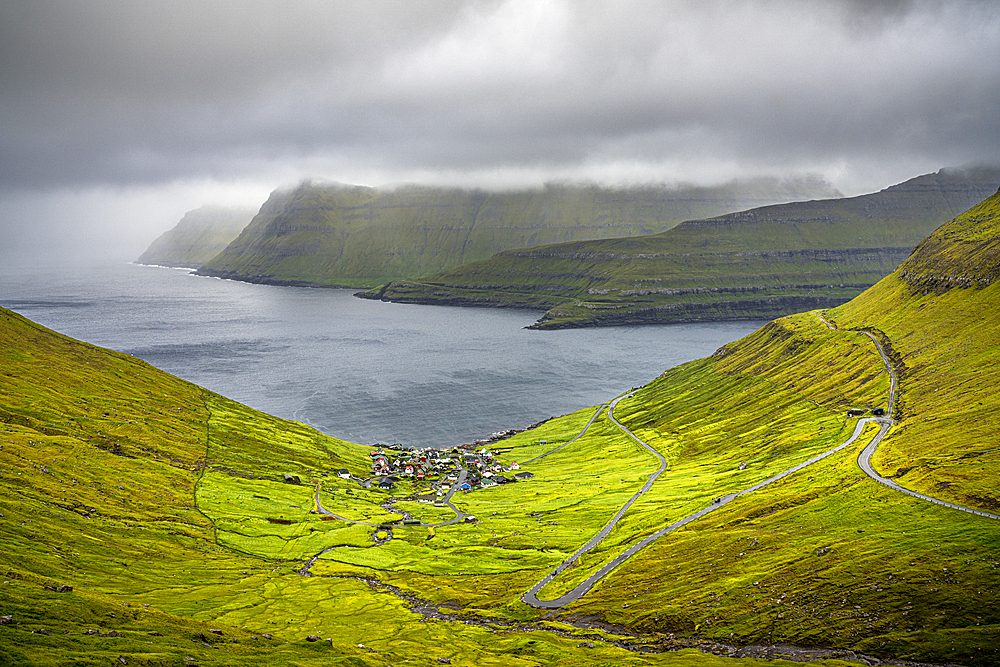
x: 146, y: 520
x: 339, y: 235
x: 823, y: 244
x: 200, y: 235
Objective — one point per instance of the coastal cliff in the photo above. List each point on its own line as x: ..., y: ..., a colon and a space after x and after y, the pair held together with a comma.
x: 340, y: 235
x: 199, y: 236
x: 756, y: 264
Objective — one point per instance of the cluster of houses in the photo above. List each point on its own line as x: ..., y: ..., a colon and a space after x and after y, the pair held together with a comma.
x: 391, y: 463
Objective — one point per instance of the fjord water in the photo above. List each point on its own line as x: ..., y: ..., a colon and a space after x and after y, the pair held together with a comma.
x: 361, y: 370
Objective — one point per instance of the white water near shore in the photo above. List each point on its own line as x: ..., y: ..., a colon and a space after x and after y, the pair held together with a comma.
x: 361, y: 370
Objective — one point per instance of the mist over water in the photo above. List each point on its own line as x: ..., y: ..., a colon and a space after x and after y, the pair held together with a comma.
x: 361, y: 370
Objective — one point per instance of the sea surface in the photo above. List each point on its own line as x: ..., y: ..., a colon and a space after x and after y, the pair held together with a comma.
x: 361, y: 370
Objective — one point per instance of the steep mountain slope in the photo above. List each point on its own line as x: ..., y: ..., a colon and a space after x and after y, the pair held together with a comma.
x: 199, y: 236
x: 136, y: 488
x: 340, y: 235
x: 761, y: 263
x: 825, y: 556
x: 831, y: 556
x: 145, y: 521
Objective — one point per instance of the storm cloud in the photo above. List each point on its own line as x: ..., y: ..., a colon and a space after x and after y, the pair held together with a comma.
x: 253, y: 95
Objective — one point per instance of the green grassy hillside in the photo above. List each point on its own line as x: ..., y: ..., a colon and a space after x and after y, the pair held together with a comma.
x: 831, y: 556
x: 359, y: 237
x: 761, y: 263
x: 199, y: 236
x: 163, y: 506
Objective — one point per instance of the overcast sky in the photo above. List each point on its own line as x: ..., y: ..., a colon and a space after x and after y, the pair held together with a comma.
x: 115, y: 118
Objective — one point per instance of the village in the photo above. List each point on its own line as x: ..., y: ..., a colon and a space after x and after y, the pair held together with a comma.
x: 443, y: 468
x: 467, y: 467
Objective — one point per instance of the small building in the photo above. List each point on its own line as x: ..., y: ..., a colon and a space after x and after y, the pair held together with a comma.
x: 385, y: 483
x: 292, y: 479
x: 344, y: 473
x: 524, y: 474
x: 879, y: 412
x: 856, y: 412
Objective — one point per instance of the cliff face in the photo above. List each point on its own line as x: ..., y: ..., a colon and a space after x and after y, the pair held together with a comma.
x: 199, y: 236
x: 357, y: 236
x: 963, y: 253
x: 760, y: 263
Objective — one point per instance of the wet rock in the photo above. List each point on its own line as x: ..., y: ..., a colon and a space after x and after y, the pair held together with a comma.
x: 266, y: 636
x: 41, y: 631
x: 65, y: 589
x: 50, y: 588
x: 110, y: 634
x: 6, y: 620
x: 585, y: 645
x: 444, y: 661
x: 743, y: 466
x: 215, y: 631
x: 155, y: 633
x: 313, y: 638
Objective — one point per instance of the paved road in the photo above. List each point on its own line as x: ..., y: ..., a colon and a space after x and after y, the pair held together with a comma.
x: 864, y: 461
x: 578, y: 435
x: 459, y: 515
x: 530, y: 597
x: 865, y: 457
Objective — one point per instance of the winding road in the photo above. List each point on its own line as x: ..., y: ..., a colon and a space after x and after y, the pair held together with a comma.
x: 864, y: 458
x: 864, y: 462
x: 459, y: 514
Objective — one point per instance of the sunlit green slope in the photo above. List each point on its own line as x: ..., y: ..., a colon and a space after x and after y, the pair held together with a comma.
x: 199, y: 236
x: 830, y: 556
x: 761, y: 263
x: 162, y: 506
x: 827, y: 556
x: 136, y: 488
x: 360, y: 237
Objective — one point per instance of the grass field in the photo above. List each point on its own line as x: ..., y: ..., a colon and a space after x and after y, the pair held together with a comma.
x: 163, y: 506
